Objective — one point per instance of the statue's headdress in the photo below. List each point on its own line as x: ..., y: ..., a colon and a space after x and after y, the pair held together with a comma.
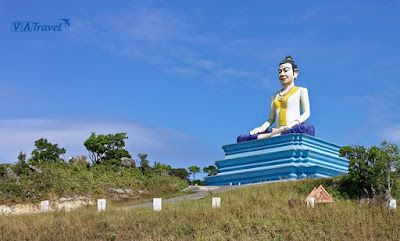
x: 289, y: 60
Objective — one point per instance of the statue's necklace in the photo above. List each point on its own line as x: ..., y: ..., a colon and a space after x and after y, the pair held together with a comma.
x: 280, y: 95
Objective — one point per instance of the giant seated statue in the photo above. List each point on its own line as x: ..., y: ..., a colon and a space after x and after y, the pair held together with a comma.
x: 290, y: 107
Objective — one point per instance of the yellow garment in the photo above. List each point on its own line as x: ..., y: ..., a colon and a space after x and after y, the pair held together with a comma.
x: 282, y: 104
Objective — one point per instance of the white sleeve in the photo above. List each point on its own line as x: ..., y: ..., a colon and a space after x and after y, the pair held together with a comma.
x: 305, y: 105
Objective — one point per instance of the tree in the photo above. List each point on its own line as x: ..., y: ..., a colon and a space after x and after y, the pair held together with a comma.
x: 371, y: 168
x: 361, y: 163
x: 96, y: 145
x: 144, y: 163
x: 115, y: 144
x: 193, y: 170
x: 389, y: 160
x: 211, y: 170
x: 179, y: 172
x: 21, y: 168
x: 21, y: 157
x: 46, y: 152
x: 106, y: 149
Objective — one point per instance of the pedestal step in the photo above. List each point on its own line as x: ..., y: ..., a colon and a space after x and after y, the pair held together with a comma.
x: 288, y: 157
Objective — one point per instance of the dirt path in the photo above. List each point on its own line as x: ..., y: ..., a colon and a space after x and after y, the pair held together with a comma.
x: 201, y: 191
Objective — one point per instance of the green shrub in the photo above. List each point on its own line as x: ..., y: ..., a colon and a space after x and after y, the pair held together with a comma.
x: 198, y: 182
x: 2, y: 169
x: 21, y: 168
x: 179, y: 172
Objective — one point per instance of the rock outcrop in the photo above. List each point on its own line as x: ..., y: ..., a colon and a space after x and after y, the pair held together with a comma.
x: 35, y: 169
x: 128, y: 162
x: 66, y: 204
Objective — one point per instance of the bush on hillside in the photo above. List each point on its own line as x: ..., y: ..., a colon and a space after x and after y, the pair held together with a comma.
x: 21, y: 168
x: 2, y: 169
x: 197, y: 182
x: 159, y: 168
x: 179, y: 172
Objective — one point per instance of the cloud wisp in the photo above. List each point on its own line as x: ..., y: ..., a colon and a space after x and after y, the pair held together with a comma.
x: 391, y: 133
x: 380, y: 120
x: 159, y: 37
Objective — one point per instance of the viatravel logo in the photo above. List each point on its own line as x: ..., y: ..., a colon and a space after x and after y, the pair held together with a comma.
x: 30, y: 26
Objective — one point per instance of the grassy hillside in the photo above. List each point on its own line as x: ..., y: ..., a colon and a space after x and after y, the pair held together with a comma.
x: 62, y: 180
x: 260, y: 212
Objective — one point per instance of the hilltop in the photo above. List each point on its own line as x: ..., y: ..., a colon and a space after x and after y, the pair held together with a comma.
x: 66, y: 180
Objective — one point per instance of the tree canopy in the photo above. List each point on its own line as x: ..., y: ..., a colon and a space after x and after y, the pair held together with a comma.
x: 179, y: 172
x: 193, y: 170
x: 45, y: 152
x: 211, y: 170
x: 144, y: 163
x: 371, y: 169
x: 21, y: 167
x: 106, y: 149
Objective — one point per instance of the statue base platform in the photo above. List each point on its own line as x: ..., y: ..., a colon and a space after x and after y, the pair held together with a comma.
x: 287, y: 157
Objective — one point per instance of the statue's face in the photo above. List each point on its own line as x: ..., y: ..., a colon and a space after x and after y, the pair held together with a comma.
x: 286, y: 74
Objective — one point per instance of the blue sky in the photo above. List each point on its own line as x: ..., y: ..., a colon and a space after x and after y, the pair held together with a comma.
x: 183, y: 78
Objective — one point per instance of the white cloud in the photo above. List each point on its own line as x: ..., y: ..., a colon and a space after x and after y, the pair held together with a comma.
x: 234, y: 73
x: 226, y: 75
x: 201, y: 63
x: 391, y: 133
x: 379, y: 114
x: 162, y: 144
x: 187, y: 72
x: 268, y: 83
x: 144, y: 33
x: 158, y: 37
x: 380, y: 120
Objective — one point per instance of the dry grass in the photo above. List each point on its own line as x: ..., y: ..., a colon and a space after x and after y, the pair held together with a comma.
x: 256, y: 213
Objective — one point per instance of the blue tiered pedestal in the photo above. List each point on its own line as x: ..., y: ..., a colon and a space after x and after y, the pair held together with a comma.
x: 287, y: 157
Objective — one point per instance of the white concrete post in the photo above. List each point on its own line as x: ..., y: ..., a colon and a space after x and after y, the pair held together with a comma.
x: 157, y: 203
x: 44, y: 206
x: 216, y: 202
x: 310, y: 202
x: 101, y: 205
x: 392, y: 204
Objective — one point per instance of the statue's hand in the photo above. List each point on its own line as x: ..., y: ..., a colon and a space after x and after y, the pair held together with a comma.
x: 291, y: 124
x: 258, y: 130
x: 263, y: 136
